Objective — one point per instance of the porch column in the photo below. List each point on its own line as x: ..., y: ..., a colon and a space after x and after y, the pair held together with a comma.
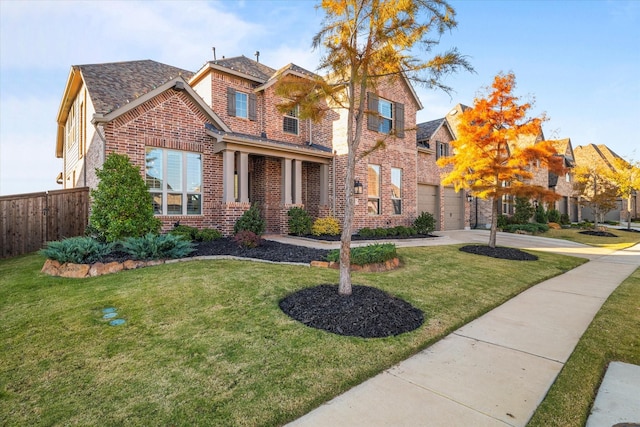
x: 243, y: 177
x: 297, y: 182
x: 286, y: 181
x: 324, y: 184
x: 228, y: 182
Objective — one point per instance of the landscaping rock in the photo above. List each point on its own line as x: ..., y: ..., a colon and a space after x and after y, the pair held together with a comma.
x: 98, y: 269
x: 74, y: 271
x: 51, y: 267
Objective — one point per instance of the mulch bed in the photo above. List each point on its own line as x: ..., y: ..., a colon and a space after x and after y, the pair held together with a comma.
x: 368, y: 312
x: 499, y: 252
x: 598, y: 233
x: 358, y: 237
x: 268, y: 250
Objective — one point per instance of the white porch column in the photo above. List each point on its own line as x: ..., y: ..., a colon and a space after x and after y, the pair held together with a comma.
x: 324, y: 184
x: 297, y: 182
x: 286, y: 181
x: 228, y: 182
x: 243, y: 177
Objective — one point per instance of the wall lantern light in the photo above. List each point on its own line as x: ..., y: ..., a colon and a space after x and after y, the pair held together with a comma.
x: 357, y: 187
x: 469, y: 198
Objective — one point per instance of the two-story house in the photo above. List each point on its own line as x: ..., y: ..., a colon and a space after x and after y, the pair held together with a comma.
x: 211, y: 143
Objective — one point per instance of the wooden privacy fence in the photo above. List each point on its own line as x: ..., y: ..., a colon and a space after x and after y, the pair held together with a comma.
x: 28, y: 221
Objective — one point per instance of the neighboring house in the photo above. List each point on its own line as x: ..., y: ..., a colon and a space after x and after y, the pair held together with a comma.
x: 563, y: 185
x: 449, y: 208
x: 211, y: 143
x: 592, y: 154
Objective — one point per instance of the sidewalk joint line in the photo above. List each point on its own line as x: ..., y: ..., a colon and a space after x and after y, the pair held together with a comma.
x: 508, y: 348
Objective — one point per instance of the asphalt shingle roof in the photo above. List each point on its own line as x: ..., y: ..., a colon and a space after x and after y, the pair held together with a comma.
x: 112, y: 85
x: 427, y: 129
x: 246, y: 66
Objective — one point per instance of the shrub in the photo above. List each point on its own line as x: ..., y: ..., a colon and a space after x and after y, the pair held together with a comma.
x: 381, y: 232
x: 328, y: 226
x: 77, y: 250
x: 503, y: 221
x: 157, y: 246
x: 403, y: 231
x: 208, y: 234
x: 564, y: 219
x: 541, y: 215
x: 425, y: 223
x: 122, y: 205
x: 531, y: 227
x: 370, y: 254
x: 247, y: 239
x: 391, y: 232
x: 367, y: 232
x: 299, y: 221
x: 524, y: 211
x: 250, y: 221
x: 553, y: 215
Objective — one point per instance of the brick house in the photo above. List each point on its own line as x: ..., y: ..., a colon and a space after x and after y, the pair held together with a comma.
x: 563, y: 185
x: 211, y: 143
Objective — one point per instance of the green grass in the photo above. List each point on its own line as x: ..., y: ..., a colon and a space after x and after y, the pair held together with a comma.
x: 205, y: 342
x: 623, y: 240
x: 614, y: 335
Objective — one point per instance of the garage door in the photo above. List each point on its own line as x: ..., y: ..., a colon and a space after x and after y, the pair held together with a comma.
x: 453, y: 209
x: 428, y: 201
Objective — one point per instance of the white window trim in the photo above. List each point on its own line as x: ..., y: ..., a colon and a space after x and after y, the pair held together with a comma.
x: 242, y: 113
x: 379, y: 186
x: 292, y: 114
x: 382, y: 118
x: 400, y: 188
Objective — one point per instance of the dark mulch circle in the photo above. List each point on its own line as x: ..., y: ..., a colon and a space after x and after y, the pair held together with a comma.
x: 632, y: 230
x: 368, y: 312
x: 598, y: 233
x: 268, y: 250
x: 499, y: 252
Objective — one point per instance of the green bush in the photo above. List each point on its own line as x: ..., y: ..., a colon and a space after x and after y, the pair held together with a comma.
x: 564, y: 219
x: 503, y: 221
x: 541, y: 215
x: 524, y: 211
x: 121, y: 204
x: 370, y: 254
x: 367, y: 232
x: 425, y: 223
x: 247, y: 239
x: 300, y: 221
x: 328, y: 226
x: 553, y: 215
x: 403, y: 231
x: 381, y: 232
x: 531, y: 227
x: 157, y: 246
x: 250, y: 221
x: 196, y: 235
x: 78, y: 250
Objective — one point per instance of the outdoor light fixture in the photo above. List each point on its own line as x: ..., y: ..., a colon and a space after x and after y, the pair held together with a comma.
x: 469, y: 198
x: 535, y: 204
x: 357, y: 187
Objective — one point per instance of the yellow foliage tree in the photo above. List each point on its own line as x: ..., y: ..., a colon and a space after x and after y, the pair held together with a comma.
x: 364, y: 41
x: 595, y: 188
x: 626, y: 176
x: 496, y: 153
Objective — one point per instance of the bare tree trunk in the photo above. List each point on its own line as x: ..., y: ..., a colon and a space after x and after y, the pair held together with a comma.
x: 629, y: 212
x: 344, y: 288
x: 494, y: 222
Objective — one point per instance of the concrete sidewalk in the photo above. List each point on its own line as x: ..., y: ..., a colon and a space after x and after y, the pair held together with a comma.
x: 496, y: 370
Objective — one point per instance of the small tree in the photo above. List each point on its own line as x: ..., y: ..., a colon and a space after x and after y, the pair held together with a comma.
x: 626, y: 176
x: 596, y: 189
x: 365, y: 43
x: 524, y: 211
x: 251, y: 220
x: 121, y: 204
x: 491, y: 158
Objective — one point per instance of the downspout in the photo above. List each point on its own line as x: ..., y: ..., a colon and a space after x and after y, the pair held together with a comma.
x: 333, y: 195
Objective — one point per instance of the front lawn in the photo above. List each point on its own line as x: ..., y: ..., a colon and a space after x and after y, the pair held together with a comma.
x: 614, y: 335
x: 205, y: 342
x: 623, y: 239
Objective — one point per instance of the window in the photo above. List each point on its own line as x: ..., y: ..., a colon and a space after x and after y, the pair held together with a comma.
x: 174, y: 179
x: 385, y: 121
x: 290, y: 124
x: 442, y: 149
x: 389, y: 118
x: 240, y: 104
x: 396, y: 190
x: 373, y: 186
x: 567, y: 177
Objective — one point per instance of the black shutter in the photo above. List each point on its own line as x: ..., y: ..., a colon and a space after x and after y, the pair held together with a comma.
x: 399, y: 119
x: 252, y: 106
x: 231, y: 101
x: 372, y: 107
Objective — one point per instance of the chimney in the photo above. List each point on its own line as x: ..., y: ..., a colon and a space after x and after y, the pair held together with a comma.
x: 257, y: 54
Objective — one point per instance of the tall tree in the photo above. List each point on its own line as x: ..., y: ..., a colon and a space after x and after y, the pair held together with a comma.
x: 626, y: 176
x: 363, y: 42
x: 595, y: 189
x: 496, y: 153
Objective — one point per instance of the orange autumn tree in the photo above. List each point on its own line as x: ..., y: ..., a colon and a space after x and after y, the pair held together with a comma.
x: 491, y: 156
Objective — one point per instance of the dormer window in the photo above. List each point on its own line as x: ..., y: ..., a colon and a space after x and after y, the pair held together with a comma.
x: 240, y: 104
x: 290, y: 122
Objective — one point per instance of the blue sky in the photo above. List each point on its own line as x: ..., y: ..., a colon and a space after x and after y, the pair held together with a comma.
x: 580, y: 60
